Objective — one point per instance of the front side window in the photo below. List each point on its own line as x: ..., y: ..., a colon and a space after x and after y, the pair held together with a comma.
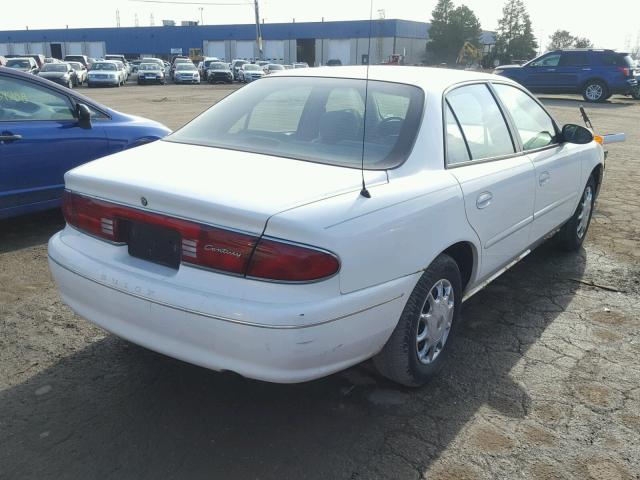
x: 534, y: 125
x: 20, y: 100
x: 550, y: 60
x: 481, y: 120
x: 315, y: 119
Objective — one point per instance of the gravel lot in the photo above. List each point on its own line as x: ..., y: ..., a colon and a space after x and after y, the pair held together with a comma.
x: 543, y: 382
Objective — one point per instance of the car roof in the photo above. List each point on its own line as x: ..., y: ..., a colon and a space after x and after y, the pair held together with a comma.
x: 428, y: 78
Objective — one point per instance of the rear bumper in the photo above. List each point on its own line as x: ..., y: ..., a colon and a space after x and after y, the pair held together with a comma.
x: 281, y: 341
x: 103, y: 81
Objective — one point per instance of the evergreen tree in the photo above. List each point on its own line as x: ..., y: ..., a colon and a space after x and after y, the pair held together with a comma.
x: 515, y: 39
x: 450, y: 28
x: 583, y: 42
x: 561, y: 39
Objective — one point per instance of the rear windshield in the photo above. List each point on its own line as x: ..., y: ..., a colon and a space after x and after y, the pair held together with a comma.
x: 314, y: 119
x: 218, y: 66
x: 251, y: 67
x: 149, y: 66
x: 54, y: 67
x: 18, y: 63
x: 185, y: 66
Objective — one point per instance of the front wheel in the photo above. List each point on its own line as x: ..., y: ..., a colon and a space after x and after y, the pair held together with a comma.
x: 572, y: 234
x: 418, y: 346
x: 595, y: 91
x: 635, y: 92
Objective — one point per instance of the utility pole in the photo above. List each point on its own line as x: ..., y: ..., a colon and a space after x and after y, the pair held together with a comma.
x: 152, y: 22
x: 201, y: 15
x: 118, y: 18
x: 136, y: 21
x: 258, y: 29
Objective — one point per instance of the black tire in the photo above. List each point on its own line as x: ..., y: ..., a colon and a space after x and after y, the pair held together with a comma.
x: 70, y: 85
x: 595, y: 91
x: 635, y: 92
x: 398, y: 360
x: 570, y: 237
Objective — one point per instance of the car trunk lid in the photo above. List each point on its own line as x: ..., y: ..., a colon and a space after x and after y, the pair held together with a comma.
x: 232, y: 189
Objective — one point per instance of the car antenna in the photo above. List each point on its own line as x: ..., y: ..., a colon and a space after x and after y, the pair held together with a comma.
x: 364, y: 192
x: 585, y: 117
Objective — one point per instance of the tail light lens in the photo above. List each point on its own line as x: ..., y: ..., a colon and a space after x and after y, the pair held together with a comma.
x: 625, y: 71
x: 204, y: 245
x: 274, y: 260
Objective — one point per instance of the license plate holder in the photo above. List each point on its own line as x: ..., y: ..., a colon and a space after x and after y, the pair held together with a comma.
x: 155, y: 244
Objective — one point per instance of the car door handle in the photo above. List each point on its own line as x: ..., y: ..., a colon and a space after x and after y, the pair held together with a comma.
x: 9, y: 137
x: 544, y: 178
x: 484, y: 200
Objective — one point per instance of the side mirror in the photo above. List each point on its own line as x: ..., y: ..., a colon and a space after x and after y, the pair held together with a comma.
x: 576, y: 134
x: 84, y: 115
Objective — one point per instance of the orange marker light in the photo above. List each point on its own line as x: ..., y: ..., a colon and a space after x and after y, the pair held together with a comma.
x: 599, y: 139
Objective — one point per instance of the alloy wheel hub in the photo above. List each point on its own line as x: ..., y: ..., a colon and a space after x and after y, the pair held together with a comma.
x: 435, y: 321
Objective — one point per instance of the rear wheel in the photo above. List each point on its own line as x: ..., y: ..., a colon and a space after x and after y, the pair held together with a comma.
x: 572, y: 234
x: 418, y: 346
x: 635, y: 92
x: 595, y: 91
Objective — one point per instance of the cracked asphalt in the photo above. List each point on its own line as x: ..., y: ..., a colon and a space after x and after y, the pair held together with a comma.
x: 543, y: 381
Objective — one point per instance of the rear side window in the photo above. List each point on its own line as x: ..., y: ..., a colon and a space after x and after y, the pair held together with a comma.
x: 574, y: 59
x: 456, y: 146
x: 535, y: 127
x: 613, y: 59
x: 481, y: 120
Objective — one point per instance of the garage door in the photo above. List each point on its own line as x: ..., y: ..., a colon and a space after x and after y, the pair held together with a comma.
x: 19, y: 48
x: 274, y: 51
x: 73, y: 48
x: 37, y: 47
x: 341, y: 50
x: 244, y: 49
x: 96, y: 49
x: 214, y: 49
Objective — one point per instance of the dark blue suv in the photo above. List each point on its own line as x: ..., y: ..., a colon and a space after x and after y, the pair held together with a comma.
x: 596, y: 74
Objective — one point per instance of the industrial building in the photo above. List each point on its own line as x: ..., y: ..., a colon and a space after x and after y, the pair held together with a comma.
x: 311, y: 42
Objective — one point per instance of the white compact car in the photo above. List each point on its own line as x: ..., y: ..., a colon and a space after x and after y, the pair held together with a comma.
x: 288, y: 232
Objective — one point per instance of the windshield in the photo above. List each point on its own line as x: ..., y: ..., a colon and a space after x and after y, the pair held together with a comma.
x: 76, y: 65
x: 18, y: 63
x: 113, y: 57
x: 149, y: 67
x: 185, y: 66
x: 315, y: 119
x: 54, y: 67
x: 275, y: 66
x: 103, y: 66
x: 251, y: 67
x: 218, y: 66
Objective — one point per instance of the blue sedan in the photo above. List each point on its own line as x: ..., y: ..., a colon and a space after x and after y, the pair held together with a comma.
x: 45, y: 130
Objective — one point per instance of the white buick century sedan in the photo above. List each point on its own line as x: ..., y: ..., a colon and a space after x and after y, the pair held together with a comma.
x: 315, y: 219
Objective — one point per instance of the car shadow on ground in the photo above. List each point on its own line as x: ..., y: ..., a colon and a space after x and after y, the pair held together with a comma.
x: 29, y: 230
x: 115, y: 410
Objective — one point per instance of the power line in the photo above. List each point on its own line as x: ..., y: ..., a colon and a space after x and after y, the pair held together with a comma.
x: 195, y: 3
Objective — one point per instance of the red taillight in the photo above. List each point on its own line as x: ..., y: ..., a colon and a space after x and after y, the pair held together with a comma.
x: 274, y: 260
x: 90, y: 215
x: 204, y: 245
x: 625, y: 71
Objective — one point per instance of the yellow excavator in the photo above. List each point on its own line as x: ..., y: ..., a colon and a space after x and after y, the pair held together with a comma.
x: 469, y: 55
